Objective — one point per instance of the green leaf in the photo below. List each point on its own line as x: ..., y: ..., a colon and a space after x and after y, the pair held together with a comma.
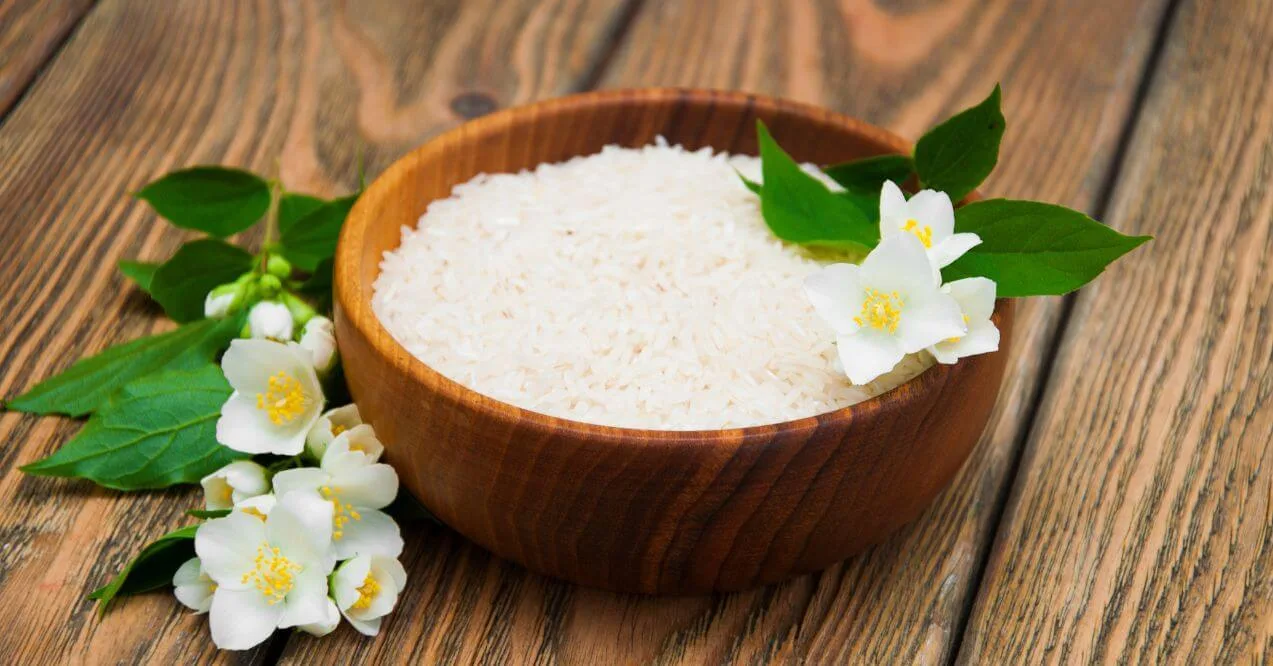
x: 152, y: 569
x: 293, y: 207
x: 313, y: 238
x: 89, y: 383
x: 206, y: 514
x: 156, y: 432
x: 800, y: 209
x: 212, y: 199
x: 1035, y: 249
x: 866, y: 176
x: 182, y: 283
x: 140, y: 272
x: 957, y: 155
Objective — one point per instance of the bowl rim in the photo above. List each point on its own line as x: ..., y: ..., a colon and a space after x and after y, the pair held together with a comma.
x: 348, y: 285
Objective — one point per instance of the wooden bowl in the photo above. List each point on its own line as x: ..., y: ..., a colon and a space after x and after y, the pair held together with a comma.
x: 647, y: 511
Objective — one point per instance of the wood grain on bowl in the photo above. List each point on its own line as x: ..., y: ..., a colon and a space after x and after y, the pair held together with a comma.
x: 643, y: 510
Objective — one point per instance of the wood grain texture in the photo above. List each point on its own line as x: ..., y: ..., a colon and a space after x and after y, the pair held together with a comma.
x: 144, y: 87
x: 30, y: 33
x: 624, y: 509
x: 1070, y: 70
x: 1140, y: 528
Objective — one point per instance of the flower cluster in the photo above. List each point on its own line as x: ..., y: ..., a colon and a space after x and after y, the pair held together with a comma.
x: 894, y: 303
x: 301, y: 546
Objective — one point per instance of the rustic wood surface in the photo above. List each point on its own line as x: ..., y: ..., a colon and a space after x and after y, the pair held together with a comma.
x: 1138, y: 523
x: 30, y: 31
x: 1141, y: 524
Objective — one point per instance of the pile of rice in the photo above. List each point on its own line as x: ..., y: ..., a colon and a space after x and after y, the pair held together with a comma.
x: 634, y: 287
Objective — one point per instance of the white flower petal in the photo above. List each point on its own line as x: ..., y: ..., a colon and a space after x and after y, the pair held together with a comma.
x: 302, y: 478
x: 245, y: 428
x: 247, y: 364
x: 946, y: 251
x: 258, y: 507
x: 365, y: 627
x: 329, y: 426
x: 899, y: 263
x: 328, y: 625
x: 982, y: 338
x: 931, y: 208
x: 893, y: 209
x: 234, y: 483
x: 868, y: 354
x: 227, y: 546
x: 372, y: 533
x: 371, y: 486
x: 349, y: 576
x: 929, y: 320
x: 975, y: 295
x: 394, y: 569
x: 241, y: 619
x: 836, y: 294
x: 319, y: 340
x: 359, y: 439
x: 192, y: 587
x: 307, y: 602
x: 301, y: 526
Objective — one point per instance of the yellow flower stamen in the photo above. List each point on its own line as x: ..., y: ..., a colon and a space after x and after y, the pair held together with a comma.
x: 923, y: 233
x: 284, y: 399
x: 253, y: 511
x: 344, y: 512
x: 337, y: 429
x: 273, y: 574
x: 367, y: 592
x: 880, y: 311
x: 227, y: 493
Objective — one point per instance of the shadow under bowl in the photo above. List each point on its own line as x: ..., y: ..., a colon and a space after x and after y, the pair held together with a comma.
x: 647, y: 511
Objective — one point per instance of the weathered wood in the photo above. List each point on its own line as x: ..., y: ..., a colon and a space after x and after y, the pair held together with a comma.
x: 143, y: 87
x: 1141, y: 524
x: 30, y: 33
x: 1070, y: 70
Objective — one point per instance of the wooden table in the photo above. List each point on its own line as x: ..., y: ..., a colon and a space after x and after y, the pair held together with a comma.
x: 1120, y: 504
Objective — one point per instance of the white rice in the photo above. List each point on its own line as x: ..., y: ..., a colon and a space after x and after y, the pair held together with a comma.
x: 635, y: 288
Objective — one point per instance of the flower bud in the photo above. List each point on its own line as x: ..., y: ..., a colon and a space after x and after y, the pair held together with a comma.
x: 279, y: 267
x: 233, y: 483
x: 270, y: 319
x: 319, y: 339
x: 220, y: 301
x: 269, y: 284
x: 328, y: 427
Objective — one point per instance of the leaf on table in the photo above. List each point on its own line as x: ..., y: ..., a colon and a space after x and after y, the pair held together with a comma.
x: 208, y: 514
x: 157, y: 431
x: 866, y: 176
x: 313, y: 238
x: 142, y: 273
x: 293, y: 207
x: 89, y: 383
x: 801, y: 209
x: 216, y: 200
x: 1035, y: 249
x: 957, y: 155
x: 182, y: 283
x: 152, y: 569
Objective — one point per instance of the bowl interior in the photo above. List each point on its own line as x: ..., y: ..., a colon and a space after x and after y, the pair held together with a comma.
x: 558, y: 130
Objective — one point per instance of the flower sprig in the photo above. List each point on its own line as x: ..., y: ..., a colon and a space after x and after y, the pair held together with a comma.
x: 296, y: 532
x: 931, y: 272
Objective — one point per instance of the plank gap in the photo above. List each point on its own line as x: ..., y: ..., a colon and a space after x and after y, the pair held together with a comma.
x: 614, y: 38
x: 13, y: 92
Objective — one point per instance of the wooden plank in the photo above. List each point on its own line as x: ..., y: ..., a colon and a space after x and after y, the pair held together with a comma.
x: 30, y: 33
x: 1070, y: 70
x: 141, y: 88
x: 1140, y: 528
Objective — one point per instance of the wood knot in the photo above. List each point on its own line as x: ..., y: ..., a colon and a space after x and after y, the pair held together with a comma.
x: 470, y: 105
